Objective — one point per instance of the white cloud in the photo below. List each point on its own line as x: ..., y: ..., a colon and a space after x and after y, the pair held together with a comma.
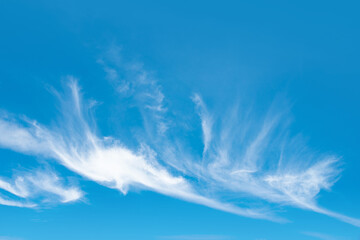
x: 15, y: 203
x: 22, y: 139
x: 27, y: 189
x: 107, y: 162
x: 243, y: 158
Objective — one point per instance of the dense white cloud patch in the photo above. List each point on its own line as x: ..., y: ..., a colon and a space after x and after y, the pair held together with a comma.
x: 241, y: 158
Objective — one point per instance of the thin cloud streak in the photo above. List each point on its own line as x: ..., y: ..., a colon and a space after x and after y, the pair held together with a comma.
x: 196, y: 237
x: 10, y: 238
x: 206, y: 121
x: 321, y: 236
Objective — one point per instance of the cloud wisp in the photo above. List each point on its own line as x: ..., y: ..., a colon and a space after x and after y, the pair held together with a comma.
x: 322, y: 236
x: 243, y: 158
x: 265, y: 164
x: 27, y: 189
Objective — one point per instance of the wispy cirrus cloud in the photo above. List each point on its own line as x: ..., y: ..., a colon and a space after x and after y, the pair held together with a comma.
x: 133, y: 82
x: 206, y: 121
x: 244, y: 157
x: 263, y: 162
x: 27, y: 189
x: 104, y: 160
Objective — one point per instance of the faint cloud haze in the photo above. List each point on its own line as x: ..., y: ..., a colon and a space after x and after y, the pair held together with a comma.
x: 323, y: 236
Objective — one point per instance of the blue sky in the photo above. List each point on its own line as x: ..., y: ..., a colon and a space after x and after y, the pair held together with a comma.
x: 179, y: 120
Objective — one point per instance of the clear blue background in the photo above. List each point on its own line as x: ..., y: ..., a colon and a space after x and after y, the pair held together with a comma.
x: 308, y: 50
